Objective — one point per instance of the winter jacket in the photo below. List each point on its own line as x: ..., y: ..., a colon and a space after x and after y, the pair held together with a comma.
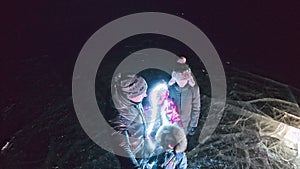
x: 187, y: 100
x: 166, y: 158
x: 130, y: 129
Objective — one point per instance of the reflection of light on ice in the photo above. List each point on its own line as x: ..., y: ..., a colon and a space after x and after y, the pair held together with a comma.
x: 293, y: 135
x: 286, y: 145
x: 290, y: 135
x: 289, y: 145
x: 5, y: 146
x: 292, y: 140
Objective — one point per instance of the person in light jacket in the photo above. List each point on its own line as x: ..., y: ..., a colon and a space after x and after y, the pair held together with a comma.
x: 162, y: 110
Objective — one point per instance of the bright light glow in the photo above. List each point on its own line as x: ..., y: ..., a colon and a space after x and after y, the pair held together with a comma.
x: 157, y: 98
x: 290, y: 135
x: 293, y: 135
x: 157, y: 90
x: 151, y: 144
x: 5, y: 146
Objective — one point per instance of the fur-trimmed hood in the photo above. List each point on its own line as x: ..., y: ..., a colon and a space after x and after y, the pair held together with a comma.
x: 176, y: 132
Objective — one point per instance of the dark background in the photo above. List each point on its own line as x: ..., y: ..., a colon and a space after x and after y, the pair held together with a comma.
x: 262, y: 37
x: 42, y: 40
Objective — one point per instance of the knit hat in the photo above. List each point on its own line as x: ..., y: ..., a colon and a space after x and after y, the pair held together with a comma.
x: 182, y: 72
x: 131, y: 85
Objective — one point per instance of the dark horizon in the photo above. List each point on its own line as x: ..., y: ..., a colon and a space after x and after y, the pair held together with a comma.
x: 259, y: 37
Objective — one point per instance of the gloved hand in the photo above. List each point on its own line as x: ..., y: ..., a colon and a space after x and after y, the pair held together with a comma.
x: 191, y: 131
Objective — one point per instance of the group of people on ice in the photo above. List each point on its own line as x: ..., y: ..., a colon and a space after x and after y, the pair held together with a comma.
x: 154, y: 136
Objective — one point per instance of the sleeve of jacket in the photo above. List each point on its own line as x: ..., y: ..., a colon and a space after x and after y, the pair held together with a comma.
x: 129, y: 153
x: 175, y: 116
x: 195, y: 107
x: 183, y: 163
x: 121, y: 141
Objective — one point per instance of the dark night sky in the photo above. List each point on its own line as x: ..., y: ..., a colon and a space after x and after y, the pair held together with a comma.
x: 44, y: 38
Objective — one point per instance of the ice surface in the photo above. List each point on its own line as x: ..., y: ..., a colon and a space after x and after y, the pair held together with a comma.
x: 260, y: 128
